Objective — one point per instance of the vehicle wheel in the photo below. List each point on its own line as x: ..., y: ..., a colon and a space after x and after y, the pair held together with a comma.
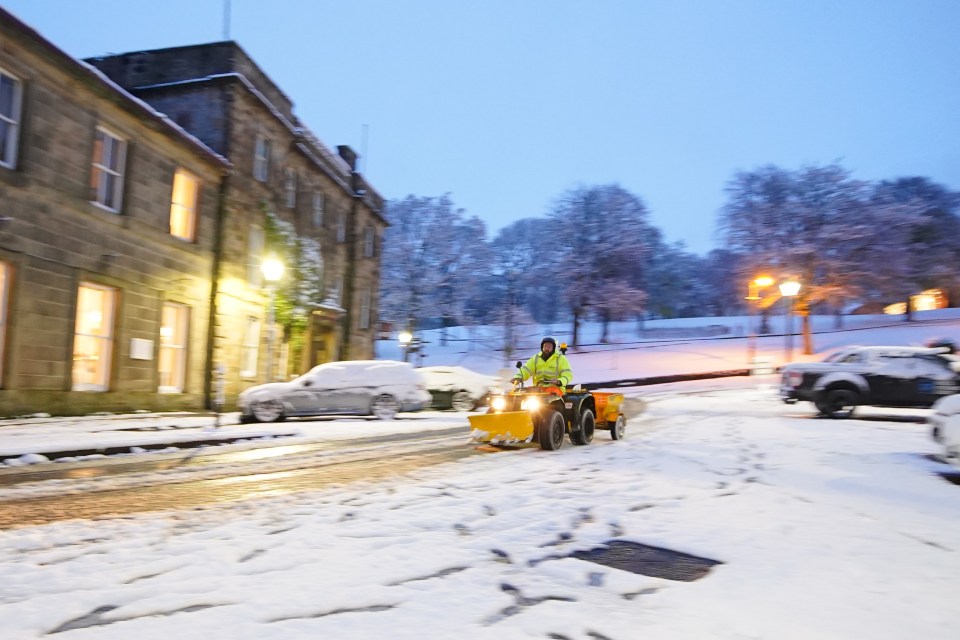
x: 838, y: 403
x: 550, y: 431
x: 267, y: 411
x: 461, y: 401
x: 619, y: 428
x: 584, y: 434
x: 385, y: 406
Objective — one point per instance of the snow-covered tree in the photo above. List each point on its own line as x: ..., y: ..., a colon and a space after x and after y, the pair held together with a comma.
x: 596, y: 253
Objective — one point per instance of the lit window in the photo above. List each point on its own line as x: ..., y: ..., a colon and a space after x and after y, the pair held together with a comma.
x: 249, y: 348
x: 106, y: 178
x: 4, y: 287
x: 183, y: 205
x: 341, y: 227
x: 93, y: 337
x: 317, y: 210
x: 290, y: 187
x: 174, y: 325
x: 365, y: 308
x: 255, y: 246
x: 368, y: 242
x: 261, y: 159
x: 11, y: 94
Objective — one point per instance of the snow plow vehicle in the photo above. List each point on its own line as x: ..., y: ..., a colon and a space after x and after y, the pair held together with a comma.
x: 545, y: 414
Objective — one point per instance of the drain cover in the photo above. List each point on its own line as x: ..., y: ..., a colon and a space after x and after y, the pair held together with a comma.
x: 656, y: 562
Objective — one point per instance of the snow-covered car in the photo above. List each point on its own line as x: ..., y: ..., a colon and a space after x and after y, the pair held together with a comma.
x: 945, y: 427
x: 875, y: 376
x: 381, y: 388
x: 459, y: 388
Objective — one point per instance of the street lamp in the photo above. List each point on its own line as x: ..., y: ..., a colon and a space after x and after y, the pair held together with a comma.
x: 404, y: 338
x: 272, y: 270
x: 753, y: 300
x: 789, y: 289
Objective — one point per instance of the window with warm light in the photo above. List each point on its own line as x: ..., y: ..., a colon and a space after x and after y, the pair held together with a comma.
x: 93, y: 337
x: 11, y: 96
x: 106, y: 177
x: 290, y: 187
x: 183, y: 205
x: 172, y: 364
x: 4, y: 287
x: 255, y: 244
x: 365, y: 298
x: 249, y: 348
x: 261, y: 159
x: 317, y: 210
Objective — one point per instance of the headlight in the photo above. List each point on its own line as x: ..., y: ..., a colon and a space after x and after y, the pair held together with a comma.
x: 499, y: 403
x: 531, y: 404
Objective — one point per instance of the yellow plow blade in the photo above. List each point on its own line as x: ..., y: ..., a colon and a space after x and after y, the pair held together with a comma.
x: 508, y: 427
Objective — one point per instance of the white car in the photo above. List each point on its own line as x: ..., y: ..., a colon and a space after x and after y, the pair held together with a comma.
x: 459, y: 388
x: 381, y: 388
x: 945, y: 423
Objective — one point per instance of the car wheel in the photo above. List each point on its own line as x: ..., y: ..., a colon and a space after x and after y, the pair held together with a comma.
x: 584, y: 434
x: 267, y: 410
x: 385, y: 406
x: 838, y: 403
x: 619, y: 428
x: 461, y: 401
x: 551, y: 430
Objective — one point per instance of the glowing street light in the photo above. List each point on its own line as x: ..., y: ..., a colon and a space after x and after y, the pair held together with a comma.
x: 753, y: 301
x: 405, y: 337
x: 789, y: 289
x: 272, y: 269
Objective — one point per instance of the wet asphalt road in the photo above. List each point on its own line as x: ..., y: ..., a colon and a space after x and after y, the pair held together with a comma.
x: 315, y: 466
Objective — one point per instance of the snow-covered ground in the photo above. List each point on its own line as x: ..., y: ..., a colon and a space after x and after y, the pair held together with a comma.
x: 824, y: 529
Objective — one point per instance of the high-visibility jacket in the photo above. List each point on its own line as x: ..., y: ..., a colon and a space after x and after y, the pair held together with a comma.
x: 556, y: 367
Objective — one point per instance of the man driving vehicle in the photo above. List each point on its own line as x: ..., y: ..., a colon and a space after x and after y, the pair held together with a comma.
x: 547, y: 367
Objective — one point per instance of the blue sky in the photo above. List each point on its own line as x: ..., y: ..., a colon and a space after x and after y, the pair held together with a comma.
x: 506, y: 104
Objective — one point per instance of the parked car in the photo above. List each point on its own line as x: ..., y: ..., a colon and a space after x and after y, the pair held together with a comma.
x: 945, y: 423
x: 459, y: 388
x: 358, y: 387
x: 876, y: 376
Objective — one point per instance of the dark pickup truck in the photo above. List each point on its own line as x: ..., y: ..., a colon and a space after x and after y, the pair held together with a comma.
x: 875, y: 376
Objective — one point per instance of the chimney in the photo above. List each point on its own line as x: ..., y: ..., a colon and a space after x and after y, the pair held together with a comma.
x: 349, y: 155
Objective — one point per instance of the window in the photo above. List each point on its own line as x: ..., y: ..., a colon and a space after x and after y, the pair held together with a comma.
x: 290, y: 187
x: 174, y: 325
x: 249, y: 348
x: 317, y: 210
x: 11, y: 94
x: 106, y: 179
x: 341, y: 227
x: 4, y: 287
x: 93, y: 337
x: 183, y: 205
x: 365, y: 297
x: 261, y: 159
x: 255, y: 246
x: 368, y: 242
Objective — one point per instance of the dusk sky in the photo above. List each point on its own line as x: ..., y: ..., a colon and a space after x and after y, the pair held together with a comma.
x: 505, y: 104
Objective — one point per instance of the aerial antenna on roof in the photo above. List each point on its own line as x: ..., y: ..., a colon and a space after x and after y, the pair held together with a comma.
x: 226, y: 19
x: 363, y: 146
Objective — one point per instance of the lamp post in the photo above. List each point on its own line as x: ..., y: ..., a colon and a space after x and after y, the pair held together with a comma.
x: 789, y: 289
x: 272, y: 270
x: 404, y: 338
x: 753, y: 300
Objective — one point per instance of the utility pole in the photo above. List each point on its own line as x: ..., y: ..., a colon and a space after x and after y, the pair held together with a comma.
x: 226, y: 19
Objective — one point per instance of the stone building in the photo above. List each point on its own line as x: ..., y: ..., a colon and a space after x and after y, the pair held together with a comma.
x: 108, y: 222
x: 289, y: 195
x: 139, y: 195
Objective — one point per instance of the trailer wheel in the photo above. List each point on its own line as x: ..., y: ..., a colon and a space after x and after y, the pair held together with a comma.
x: 584, y: 434
x: 619, y: 429
x: 551, y: 430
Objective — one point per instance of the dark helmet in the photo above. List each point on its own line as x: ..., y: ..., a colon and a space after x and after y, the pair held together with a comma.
x: 549, y: 339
